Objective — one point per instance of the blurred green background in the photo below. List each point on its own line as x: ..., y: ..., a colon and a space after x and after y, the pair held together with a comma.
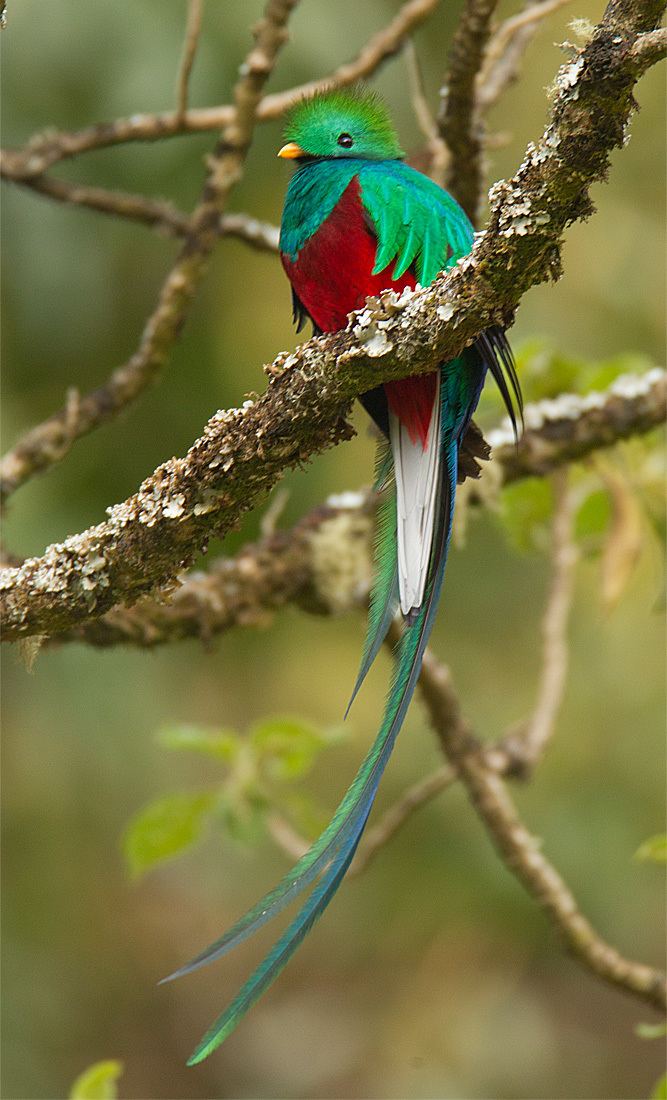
x: 433, y: 975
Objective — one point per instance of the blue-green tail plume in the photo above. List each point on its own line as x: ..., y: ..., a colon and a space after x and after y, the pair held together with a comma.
x: 332, y: 853
x: 279, y: 956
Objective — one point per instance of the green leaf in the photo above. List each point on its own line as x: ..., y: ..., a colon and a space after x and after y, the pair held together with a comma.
x: 660, y: 1088
x: 287, y: 746
x: 651, y: 1031
x: 223, y: 744
x: 653, y: 850
x: 525, y: 509
x: 98, y: 1082
x: 165, y: 828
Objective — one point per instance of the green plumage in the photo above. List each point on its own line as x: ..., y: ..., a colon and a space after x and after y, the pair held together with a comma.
x: 341, y: 137
x: 417, y: 223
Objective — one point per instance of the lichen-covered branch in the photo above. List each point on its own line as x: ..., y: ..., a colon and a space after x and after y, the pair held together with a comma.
x: 520, y: 851
x: 150, y: 537
x: 650, y: 48
x: 50, y: 441
x: 459, y: 121
x: 47, y: 149
x: 566, y: 428
x: 323, y: 563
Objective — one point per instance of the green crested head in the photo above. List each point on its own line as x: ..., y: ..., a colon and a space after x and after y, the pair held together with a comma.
x: 343, y: 122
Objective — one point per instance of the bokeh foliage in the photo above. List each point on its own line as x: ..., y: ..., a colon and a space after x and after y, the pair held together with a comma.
x: 433, y: 975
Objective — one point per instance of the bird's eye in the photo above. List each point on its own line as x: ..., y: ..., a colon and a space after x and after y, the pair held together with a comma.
x: 346, y: 141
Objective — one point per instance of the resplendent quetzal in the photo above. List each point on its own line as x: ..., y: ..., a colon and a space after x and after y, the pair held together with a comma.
x: 358, y: 220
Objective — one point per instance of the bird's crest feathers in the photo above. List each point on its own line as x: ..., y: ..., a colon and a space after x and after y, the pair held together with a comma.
x: 343, y: 122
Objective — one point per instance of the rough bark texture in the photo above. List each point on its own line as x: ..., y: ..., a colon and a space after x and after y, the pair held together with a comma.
x: 150, y: 537
x: 324, y: 563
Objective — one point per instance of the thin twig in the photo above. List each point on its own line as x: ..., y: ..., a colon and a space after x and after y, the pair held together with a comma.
x: 156, y: 213
x: 397, y: 815
x: 506, y: 49
x: 50, y: 441
x: 46, y: 149
x: 285, y: 836
x: 520, y: 851
x: 459, y: 121
x: 436, y: 151
x: 527, y: 743
x: 192, y: 32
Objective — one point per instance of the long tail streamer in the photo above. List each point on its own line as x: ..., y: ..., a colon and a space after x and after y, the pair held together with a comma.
x: 330, y: 856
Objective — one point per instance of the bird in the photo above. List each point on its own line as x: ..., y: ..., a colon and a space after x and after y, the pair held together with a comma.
x: 359, y: 220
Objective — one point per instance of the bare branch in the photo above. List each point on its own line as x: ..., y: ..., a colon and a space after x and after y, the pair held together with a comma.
x: 649, y: 49
x: 436, y: 151
x: 242, y: 453
x: 506, y: 49
x: 51, y: 440
x: 192, y: 32
x: 261, y: 235
x: 45, y: 150
x: 459, y: 121
x: 397, y: 815
x: 285, y: 836
x: 527, y: 743
x: 156, y: 213
x: 520, y: 851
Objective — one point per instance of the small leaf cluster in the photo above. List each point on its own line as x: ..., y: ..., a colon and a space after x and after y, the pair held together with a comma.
x: 258, y: 767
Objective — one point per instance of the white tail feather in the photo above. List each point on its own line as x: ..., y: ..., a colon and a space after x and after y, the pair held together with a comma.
x: 416, y: 483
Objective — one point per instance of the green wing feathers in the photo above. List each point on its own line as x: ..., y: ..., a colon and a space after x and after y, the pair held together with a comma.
x: 416, y: 222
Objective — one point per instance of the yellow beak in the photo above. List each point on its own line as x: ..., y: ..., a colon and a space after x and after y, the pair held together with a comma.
x: 291, y: 151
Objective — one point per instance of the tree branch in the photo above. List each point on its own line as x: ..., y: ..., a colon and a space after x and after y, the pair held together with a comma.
x: 397, y: 815
x: 149, y: 537
x: 192, y: 32
x: 505, y: 51
x: 520, y: 851
x: 323, y: 563
x: 436, y: 153
x: 526, y: 742
x: 158, y: 214
x: 649, y: 49
x: 459, y: 121
x: 46, y: 149
x: 51, y: 440
x: 480, y: 768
